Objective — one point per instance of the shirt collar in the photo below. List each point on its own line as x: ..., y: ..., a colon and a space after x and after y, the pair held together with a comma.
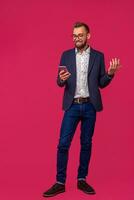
x: 87, y: 50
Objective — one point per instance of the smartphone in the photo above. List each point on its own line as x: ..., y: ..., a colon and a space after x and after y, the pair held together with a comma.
x: 63, y: 68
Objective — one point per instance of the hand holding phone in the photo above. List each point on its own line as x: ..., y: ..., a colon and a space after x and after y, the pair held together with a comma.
x: 63, y: 73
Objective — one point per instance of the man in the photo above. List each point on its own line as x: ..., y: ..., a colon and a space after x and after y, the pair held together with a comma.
x: 84, y: 76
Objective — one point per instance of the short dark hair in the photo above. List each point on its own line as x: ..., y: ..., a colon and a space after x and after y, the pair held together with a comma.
x: 80, y: 24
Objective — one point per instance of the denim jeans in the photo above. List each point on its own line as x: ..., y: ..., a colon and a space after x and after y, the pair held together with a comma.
x: 86, y: 114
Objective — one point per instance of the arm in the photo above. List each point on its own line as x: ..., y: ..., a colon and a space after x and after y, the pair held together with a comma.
x: 104, y: 78
x: 60, y: 82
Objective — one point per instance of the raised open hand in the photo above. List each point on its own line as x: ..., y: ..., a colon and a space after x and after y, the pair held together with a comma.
x: 114, y: 66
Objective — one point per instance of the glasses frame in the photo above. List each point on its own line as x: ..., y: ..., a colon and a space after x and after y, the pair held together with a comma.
x: 79, y: 36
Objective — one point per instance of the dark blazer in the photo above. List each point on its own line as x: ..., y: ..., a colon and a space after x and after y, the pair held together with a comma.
x: 97, y: 77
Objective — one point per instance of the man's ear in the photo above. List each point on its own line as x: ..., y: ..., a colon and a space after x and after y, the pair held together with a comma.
x: 88, y: 36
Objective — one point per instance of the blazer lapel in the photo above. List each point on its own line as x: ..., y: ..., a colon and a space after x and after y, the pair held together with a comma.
x: 73, y: 63
x: 91, y: 59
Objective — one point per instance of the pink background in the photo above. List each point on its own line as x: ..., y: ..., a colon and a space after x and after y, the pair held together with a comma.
x: 32, y: 37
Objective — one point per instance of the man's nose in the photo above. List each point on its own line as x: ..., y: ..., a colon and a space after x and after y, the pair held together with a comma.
x: 77, y: 40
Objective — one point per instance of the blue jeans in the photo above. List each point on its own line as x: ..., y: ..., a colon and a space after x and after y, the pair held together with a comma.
x: 86, y: 113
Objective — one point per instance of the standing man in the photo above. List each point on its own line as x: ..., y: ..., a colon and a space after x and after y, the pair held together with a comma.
x: 83, y: 76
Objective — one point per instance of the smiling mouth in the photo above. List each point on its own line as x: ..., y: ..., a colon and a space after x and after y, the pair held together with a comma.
x: 78, y: 42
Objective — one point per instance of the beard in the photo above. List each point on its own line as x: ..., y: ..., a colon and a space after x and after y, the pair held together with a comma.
x: 80, y: 45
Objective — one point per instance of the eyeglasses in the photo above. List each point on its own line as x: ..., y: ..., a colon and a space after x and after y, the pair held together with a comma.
x: 80, y: 35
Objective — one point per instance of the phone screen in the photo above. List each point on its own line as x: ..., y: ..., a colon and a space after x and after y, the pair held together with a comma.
x: 63, y: 68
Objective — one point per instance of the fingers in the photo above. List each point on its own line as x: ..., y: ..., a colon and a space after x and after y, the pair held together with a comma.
x: 114, y: 63
x: 64, y: 76
x: 61, y: 72
x: 118, y: 63
x: 111, y: 64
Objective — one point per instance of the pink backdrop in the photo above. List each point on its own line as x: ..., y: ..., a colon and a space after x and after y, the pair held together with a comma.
x: 32, y: 37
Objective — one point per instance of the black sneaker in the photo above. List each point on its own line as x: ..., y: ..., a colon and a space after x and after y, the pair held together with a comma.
x: 83, y: 185
x: 54, y: 190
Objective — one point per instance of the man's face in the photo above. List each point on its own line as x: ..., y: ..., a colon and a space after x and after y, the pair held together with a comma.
x: 80, y: 37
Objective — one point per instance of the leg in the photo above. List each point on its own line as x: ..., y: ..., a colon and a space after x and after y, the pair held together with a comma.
x: 68, y: 127
x: 87, y: 130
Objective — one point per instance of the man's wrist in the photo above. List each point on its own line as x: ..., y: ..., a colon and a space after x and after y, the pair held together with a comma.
x: 110, y: 75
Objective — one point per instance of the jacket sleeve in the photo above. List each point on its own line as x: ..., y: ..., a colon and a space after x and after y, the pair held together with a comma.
x: 60, y: 82
x: 104, y: 78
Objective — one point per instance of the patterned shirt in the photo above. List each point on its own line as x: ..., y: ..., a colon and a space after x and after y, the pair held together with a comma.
x: 82, y: 62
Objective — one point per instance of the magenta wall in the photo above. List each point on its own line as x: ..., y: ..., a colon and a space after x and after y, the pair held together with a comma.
x: 32, y: 37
